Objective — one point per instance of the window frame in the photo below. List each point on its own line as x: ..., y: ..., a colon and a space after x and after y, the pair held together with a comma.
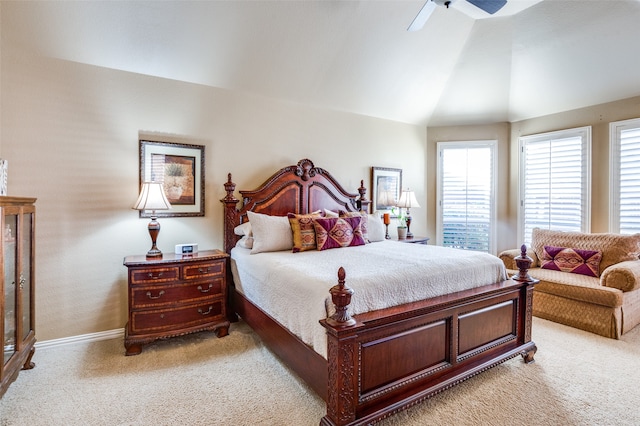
x: 493, y: 146
x: 615, y: 129
x: 585, y: 134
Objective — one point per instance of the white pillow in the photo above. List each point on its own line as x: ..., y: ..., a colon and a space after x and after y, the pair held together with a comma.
x: 245, y: 242
x: 330, y: 213
x: 270, y: 233
x: 375, y: 228
x: 243, y: 229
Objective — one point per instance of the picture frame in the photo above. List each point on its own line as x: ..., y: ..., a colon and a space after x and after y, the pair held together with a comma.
x: 386, y: 185
x: 181, y: 169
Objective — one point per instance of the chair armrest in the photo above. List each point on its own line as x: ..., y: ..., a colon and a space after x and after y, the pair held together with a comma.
x: 624, y: 276
x: 508, y: 257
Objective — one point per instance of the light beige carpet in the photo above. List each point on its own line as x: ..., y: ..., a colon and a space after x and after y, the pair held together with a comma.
x: 578, y: 379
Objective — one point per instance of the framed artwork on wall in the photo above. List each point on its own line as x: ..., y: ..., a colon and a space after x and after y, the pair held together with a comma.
x: 180, y: 167
x: 386, y: 184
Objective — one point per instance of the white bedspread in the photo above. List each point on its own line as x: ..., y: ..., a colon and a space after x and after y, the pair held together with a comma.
x: 294, y: 287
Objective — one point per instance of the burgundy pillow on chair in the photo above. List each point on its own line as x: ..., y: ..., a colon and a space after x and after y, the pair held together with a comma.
x: 576, y: 261
x: 338, y: 232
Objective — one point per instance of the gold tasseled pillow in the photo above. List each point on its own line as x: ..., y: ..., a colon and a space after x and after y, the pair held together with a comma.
x: 304, y: 234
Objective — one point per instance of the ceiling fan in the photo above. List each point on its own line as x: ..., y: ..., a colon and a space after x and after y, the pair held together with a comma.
x: 489, y: 6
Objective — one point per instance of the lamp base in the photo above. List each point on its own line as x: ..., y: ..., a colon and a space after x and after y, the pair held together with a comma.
x: 154, y: 253
x: 408, y: 220
x: 154, y: 230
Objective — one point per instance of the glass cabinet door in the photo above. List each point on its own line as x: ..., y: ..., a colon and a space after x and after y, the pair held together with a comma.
x: 17, y: 283
x: 10, y: 289
x: 25, y: 274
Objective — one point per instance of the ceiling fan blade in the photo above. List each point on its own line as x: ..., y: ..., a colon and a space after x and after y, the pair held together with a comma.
x: 489, y: 6
x: 422, y: 16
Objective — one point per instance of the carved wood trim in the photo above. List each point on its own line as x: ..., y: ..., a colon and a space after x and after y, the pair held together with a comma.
x: 529, y: 314
x: 342, y: 392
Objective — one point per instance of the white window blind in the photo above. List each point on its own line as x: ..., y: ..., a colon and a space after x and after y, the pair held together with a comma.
x: 625, y: 176
x: 555, y: 182
x: 466, y: 185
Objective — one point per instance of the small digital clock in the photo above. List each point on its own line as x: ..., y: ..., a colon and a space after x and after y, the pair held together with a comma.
x: 191, y: 248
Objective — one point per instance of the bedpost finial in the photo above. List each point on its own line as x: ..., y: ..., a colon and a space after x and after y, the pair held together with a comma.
x: 341, y: 298
x: 524, y: 263
x: 362, y: 190
x: 362, y: 203
x: 229, y: 187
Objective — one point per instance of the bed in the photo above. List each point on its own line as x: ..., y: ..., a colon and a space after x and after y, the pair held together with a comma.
x: 384, y: 360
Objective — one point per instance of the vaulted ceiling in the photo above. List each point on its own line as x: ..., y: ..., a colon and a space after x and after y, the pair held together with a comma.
x: 537, y: 58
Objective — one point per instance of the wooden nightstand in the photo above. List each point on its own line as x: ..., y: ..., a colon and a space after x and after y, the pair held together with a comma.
x: 414, y: 240
x: 175, y: 295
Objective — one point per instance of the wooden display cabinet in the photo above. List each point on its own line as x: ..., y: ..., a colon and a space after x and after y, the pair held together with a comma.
x: 17, y: 285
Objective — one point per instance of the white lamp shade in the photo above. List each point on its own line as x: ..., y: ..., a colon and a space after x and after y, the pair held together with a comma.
x: 152, y: 197
x: 408, y: 200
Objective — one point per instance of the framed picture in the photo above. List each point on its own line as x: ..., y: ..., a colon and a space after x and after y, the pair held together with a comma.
x: 386, y: 185
x: 180, y: 167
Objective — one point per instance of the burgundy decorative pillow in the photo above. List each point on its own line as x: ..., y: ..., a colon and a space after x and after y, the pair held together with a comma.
x: 364, y: 223
x: 576, y: 261
x: 304, y: 234
x: 338, y: 232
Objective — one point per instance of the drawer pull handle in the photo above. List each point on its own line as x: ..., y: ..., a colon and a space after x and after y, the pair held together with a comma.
x: 205, y: 313
x: 202, y: 290
x: 204, y: 270
x: 155, y: 277
x: 155, y: 297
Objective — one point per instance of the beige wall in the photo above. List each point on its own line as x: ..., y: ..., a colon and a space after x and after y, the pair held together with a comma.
x: 70, y: 132
x: 1, y: 84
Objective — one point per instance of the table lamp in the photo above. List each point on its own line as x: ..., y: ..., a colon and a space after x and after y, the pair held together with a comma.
x: 408, y: 200
x: 152, y: 198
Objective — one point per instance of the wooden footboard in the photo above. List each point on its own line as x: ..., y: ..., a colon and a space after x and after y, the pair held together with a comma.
x: 390, y: 359
x: 384, y: 361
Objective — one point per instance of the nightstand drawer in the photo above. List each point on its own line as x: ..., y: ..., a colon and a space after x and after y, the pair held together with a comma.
x: 164, y: 295
x: 155, y: 275
x: 177, y: 318
x: 201, y: 270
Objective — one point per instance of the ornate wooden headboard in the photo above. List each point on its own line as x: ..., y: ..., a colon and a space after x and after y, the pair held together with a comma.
x: 300, y: 189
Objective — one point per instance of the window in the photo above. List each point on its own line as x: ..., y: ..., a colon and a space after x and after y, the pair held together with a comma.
x: 466, y: 195
x: 624, y: 214
x: 555, y: 179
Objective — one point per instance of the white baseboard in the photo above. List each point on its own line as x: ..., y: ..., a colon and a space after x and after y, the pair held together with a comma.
x: 91, y: 337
